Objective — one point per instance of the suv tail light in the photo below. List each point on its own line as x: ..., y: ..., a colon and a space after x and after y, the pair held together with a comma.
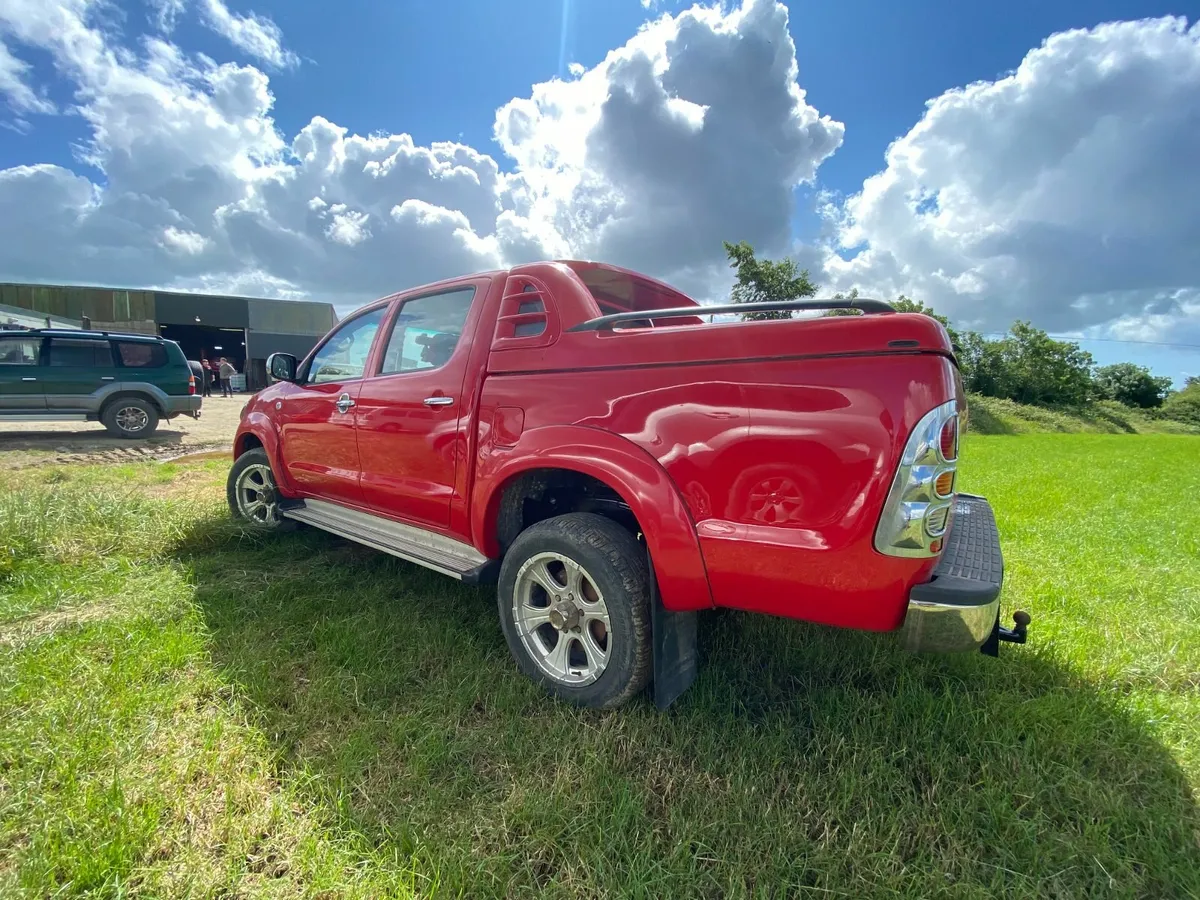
x: 191, y: 384
x: 917, y: 510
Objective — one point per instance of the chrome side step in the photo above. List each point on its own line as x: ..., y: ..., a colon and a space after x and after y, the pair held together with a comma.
x: 416, y: 545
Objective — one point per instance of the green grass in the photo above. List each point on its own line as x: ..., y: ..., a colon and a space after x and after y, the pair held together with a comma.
x: 186, y: 710
x: 988, y: 415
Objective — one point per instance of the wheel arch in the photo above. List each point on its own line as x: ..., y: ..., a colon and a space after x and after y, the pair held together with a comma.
x: 131, y: 393
x: 590, y: 457
x: 258, y: 431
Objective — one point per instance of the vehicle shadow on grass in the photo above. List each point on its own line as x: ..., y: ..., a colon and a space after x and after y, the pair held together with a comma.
x: 803, y: 759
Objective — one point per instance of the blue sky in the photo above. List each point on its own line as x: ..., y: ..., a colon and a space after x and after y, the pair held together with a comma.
x: 441, y: 71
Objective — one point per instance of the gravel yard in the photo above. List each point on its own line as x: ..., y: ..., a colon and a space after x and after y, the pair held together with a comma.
x: 24, y: 444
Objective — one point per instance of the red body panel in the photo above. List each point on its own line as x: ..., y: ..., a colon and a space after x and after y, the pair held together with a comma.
x: 756, y: 456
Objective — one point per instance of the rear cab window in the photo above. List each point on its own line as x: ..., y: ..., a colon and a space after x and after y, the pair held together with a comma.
x: 617, y: 291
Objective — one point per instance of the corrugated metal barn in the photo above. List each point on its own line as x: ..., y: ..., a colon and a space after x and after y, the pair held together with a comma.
x: 245, y: 330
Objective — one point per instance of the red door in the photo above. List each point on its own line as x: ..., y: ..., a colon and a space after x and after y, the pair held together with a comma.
x: 410, y: 414
x: 318, y: 444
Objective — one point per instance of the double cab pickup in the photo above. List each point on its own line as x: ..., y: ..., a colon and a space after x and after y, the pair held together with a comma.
x: 616, y: 458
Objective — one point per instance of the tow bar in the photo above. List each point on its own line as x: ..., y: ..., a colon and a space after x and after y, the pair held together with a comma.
x: 1014, y: 635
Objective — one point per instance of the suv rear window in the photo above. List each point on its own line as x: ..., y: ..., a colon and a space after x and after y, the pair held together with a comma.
x: 141, y: 355
x: 81, y: 352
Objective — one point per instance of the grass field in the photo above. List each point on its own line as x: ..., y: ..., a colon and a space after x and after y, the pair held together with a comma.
x: 189, y: 711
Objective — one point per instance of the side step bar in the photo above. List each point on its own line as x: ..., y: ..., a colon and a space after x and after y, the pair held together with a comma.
x: 416, y: 545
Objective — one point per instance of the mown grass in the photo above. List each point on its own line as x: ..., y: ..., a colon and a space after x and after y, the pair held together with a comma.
x: 186, y: 710
x: 989, y: 415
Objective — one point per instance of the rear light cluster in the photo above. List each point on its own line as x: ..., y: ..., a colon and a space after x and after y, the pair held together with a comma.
x: 917, y: 510
x: 191, y: 384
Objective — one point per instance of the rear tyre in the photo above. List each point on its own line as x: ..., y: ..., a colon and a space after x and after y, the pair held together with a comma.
x: 574, y: 602
x: 252, y: 495
x: 130, y: 417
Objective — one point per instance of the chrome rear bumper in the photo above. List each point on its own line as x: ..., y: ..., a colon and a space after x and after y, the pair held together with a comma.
x: 959, y: 607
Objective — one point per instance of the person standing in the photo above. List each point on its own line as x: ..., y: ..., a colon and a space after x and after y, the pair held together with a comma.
x: 206, y: 381
x: 227, y: 373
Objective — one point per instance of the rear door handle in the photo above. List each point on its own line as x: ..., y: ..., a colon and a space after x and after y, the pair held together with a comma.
x: 107, y: 377
x: 438, y: 401
x: 31, y: 378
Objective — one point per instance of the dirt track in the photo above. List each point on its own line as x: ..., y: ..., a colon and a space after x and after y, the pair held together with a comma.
x: 24, y: 444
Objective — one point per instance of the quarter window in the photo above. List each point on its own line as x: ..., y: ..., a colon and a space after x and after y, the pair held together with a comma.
x: 343, y: 356
x: 20, y: 351
x: 141, y: 354
x: 426, y: 331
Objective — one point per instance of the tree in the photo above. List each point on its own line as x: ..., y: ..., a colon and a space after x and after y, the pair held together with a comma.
x: 766, y: 281
x: 1132, y: 385
x: 1028, y: 366
x: 1185, y: 405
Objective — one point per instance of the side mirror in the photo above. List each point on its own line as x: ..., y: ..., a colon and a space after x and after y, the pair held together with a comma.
x: 281, y: 366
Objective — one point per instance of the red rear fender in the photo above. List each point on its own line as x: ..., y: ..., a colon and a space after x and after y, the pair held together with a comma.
x: 639, y: 480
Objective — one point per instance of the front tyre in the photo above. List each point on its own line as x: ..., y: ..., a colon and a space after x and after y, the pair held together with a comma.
x: 252, y: 494
x: 574, y: 602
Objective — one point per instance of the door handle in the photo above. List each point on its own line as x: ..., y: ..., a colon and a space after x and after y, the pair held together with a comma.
x: 344, y: 403
x: 438, y: 401
x: 107, y: 377
x: 28, y: 378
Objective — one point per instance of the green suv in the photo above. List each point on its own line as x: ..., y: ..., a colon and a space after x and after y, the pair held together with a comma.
x: 127, y: 381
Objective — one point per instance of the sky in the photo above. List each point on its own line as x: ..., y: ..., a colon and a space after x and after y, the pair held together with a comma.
x: 1035, y: 161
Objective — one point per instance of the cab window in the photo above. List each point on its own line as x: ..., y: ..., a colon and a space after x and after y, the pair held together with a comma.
x: 343, y: 357
x: 426, y: 330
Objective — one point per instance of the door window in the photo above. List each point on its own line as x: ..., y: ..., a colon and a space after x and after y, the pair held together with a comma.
x: 20, y: 351
x: 344, y: 356
x: 82, y: 353
x: 426, y: 331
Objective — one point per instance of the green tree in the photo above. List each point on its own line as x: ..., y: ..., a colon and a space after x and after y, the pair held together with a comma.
x: 1185, y: 405
x: 1132, y: 385
x: 1029, y: 366
x: 766, y: 281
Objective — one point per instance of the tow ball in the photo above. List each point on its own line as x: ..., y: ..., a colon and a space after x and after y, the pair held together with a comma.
x: 1014, y: 635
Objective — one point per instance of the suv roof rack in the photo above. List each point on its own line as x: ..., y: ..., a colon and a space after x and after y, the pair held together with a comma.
x: 604, y: 323
x: 89, y: 333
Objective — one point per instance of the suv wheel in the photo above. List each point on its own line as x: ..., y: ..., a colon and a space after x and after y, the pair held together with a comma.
x: 574, y: 604
x: 252, y: 495
x: 130, y: 417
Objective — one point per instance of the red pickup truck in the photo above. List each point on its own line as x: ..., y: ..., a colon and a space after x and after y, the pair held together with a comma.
x: 586, y: 438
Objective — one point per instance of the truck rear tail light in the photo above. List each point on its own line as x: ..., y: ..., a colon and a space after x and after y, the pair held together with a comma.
x: 944, y: 486
x: 949, y: 439
x: 935, y: 522
x: 191, y: 384
x: 916, y: 512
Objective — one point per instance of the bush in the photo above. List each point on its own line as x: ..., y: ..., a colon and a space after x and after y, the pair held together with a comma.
x: 1184, y: 406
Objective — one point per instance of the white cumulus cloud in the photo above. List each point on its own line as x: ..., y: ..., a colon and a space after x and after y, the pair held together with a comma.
x: 15, y: 87
x: 1067, y: 192
x: 253, y: 34
x: 693, y: 132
